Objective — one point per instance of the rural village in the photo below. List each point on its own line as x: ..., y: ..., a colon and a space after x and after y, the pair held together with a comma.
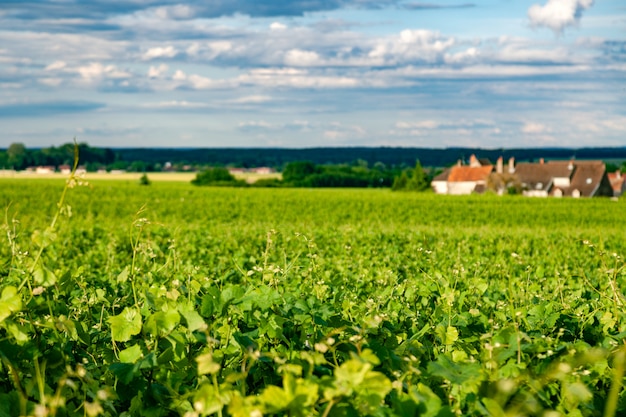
x: 554, y: 178
x: 571, y: 178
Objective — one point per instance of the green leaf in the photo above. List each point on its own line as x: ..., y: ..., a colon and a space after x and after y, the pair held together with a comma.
x: 210, y: 303
x: 162, y: 323
x: 10, y: 302
x: 123, y: 276
x: 131, y: 354
x: 19, y: 333
x: 494, y: 409
x: 9, y: 404
x: 448, y: 335
x: 44, y: 277
x: 192, y: 318
x: 206, y: 365
x: 368, y: 356
x: 296, y: 396
x: 125, y: 325
x: 125, y: 372
x: 207, y: 400
x: 446, y: 369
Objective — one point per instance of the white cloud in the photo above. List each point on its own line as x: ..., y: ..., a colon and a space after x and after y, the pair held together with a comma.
x: 179, y: 76
x: 160, y: 52
x: 558, y: 14
x: 295, y: 78
x: 157, y: 72
x: 423, y: 124
x: 199, y: 82
x: 96, y: 70
x: 300, y: 58
x: 469, y: 55
x: 178, y: 11
x: 255, y: 99
x: 409, y: 45
x: 176, y: 104
x: 533, y: 128
x: 210, y: 50
x: 50, y: 81
x: 256, y: 124
x: 56, y: 65
x: 278, y: 26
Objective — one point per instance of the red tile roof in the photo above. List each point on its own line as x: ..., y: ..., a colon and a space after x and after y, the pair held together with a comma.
x: 467, y: 173
x: 617, y: 181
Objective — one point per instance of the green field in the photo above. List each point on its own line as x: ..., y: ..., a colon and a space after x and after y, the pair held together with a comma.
x: 171, y: 299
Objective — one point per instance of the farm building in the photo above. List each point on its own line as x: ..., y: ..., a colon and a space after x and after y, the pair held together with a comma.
x: 540, y: 179
x: 617, y: 182
x: 463, y: 179
x: 564, y: 179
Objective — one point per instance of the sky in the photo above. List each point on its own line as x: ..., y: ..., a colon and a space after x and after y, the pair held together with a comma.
x: 313, y: 73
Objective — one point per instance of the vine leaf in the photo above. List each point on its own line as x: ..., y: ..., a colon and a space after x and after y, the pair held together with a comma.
x: 125, y: 325
x: 10, y: 302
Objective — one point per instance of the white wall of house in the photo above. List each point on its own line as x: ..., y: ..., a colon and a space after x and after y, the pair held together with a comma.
x: 440, y: 187
x: 461, y: 187
x: 535, y: 193
x: 561, y: 182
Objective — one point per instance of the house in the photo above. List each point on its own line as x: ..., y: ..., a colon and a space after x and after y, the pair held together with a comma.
x: 563, y: 179
x: 67, y: 169
x: 617, y: 182
x: 236, y: 171
x: 263, y: 170
x: 503, y: 180
x: 44, y: 170
x: 440, y: 182
x: 464, y: 179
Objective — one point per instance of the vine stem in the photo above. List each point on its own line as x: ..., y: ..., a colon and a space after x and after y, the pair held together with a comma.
x: 616, y: 386
x: 50, y: 228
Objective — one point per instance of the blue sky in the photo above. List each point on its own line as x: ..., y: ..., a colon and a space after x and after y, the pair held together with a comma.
x: 308, y: 73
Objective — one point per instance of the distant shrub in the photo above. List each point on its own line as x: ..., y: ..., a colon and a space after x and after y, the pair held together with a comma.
x: 219, y: 177
x: 295, y: 172
x: 144, y: 180
x: 415, y: 179
x: 268, y: 183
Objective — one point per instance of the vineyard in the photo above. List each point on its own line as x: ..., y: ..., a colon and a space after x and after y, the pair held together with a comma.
x: 170, y: 299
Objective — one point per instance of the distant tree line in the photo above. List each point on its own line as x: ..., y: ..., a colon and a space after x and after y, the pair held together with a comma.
x: 401, y: 157
x: 394, y: 168
x: 18, y: 157
x: 308, y: 174
x: 358, y: 174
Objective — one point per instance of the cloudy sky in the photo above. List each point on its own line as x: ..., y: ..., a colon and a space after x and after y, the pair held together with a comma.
x: 308, y: 73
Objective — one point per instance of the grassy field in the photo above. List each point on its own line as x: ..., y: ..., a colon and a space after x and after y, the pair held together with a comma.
x: 128, y: 176
x: 172, y: 299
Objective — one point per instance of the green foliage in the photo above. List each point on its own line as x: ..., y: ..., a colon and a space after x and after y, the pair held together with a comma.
x: 307, y: 174
x: 296, y: 172
x: 308, y: 302
x: 18, y: 157
x: 217, y: 177
x: 144, y: 180
x: 413, y: 180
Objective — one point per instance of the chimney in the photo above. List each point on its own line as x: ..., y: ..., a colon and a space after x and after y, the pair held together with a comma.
x: 459, y: 162
x: 570, y: 166
x: 511, y: 165
x: 499, y: 167
x: 474, y: 161
x: 541, y: 161
x: 618, y: 174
